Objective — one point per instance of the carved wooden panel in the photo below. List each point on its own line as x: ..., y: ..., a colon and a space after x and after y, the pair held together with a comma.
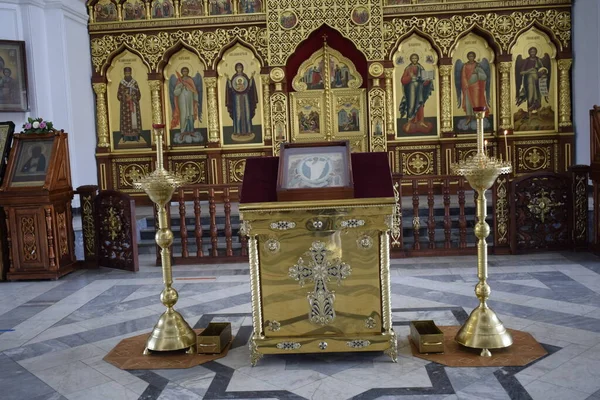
x: 233, y: 166
x: 29, y: 241
x: 535, y: 156
x: 418, y: 160
x: 194, y: 168
x: 126, y: 170
x: 540, y: 205
x: 116, y: 231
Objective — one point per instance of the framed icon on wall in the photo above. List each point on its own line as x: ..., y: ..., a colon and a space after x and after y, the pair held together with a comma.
x: 13, y: 76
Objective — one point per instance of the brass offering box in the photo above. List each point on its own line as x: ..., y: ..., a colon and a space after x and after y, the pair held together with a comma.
x: 214, y: 338
x: 320, y: 269
x: 427, y: 337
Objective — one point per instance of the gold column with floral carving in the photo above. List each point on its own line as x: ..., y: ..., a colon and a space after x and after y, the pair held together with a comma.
x: 155, y: 86
x: 177, y: 8
x: 266, y: 106
x: 120, y: 11
x: 101, y: 114
x: 505, y: 118
x: 389, y: 106
x: 213, y: 116
x: 564, y: 93
x: 446, y: 93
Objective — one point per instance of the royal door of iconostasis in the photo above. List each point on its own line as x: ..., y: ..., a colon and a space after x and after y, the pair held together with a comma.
x: 235, y: 79
x: 328, y: 98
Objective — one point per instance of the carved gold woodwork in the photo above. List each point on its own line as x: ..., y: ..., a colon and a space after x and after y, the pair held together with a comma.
x: 502, y: 213
x: 28, y: 233
x: 157, y: 113
x: 534, y: 158
x: 266, y: 106
x: 101, y: 115
x: 233, y: 166
x: 542, y: 205
x: 389, y: 106
x: 418, y: 160
x: 314, y: 13
x: 152, y: 47
x: 192, y: 169
x: 126, y: 170
x: 505, y: 95
x: 564, y: 93
x: 63, y: 240
x: 214, y: 132
x: 87, y: 222
x: 417, y: 163
x: 377, y: 119
x: 112, y: 223
x: 445, y: 32
x: 581, y: 208
x: 446, y: 98
x: 279, y: 120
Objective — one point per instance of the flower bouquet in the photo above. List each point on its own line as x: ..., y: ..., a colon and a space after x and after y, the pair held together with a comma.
x: 37, y: 125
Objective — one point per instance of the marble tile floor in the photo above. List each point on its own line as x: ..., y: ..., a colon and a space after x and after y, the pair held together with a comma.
x: 54, y: 334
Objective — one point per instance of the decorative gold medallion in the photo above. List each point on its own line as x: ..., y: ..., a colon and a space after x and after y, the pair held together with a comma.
x: 272, y: 245
x: 370, y: 323
x: 320, y: 270
x: 365, y: 242
x: 277, y: 74
x: 273, y: 326
x: 541, y: 205
x: 376, y: 69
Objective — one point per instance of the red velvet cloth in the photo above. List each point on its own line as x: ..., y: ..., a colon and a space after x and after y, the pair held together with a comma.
x: 314, y: 42
x: 372, y: 175
x: 370, y: 171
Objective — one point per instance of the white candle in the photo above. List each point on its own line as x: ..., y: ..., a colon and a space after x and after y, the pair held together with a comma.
x: 506, y: 144
x: 485, y: 147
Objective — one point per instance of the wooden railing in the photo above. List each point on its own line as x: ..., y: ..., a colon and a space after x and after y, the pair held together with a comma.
x: 427, y: 233
x: 217, y: 200
x: 213, y: 229
x: 437, y: 217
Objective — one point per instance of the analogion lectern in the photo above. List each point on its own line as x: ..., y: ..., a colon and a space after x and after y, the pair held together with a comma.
x: 36, y: 195
x: 319, y: 268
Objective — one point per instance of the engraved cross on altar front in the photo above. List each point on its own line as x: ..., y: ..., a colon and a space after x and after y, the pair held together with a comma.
x: 320, y: 270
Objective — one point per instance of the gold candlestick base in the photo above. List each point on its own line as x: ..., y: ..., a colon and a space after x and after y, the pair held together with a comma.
x: 483, y: 329
x: 171, y: 332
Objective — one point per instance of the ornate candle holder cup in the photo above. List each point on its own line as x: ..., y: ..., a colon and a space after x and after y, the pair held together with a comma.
x: 171, y: 332
x: 483, y: 329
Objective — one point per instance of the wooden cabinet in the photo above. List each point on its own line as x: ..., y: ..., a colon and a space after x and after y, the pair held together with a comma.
x: 36, y: 195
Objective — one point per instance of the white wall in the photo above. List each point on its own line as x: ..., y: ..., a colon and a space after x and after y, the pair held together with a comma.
x: 586, y: 72
x: 59, y: 72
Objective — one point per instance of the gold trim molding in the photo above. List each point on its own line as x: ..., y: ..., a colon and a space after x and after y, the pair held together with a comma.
x: 207, y: 45
x: 445, y: 32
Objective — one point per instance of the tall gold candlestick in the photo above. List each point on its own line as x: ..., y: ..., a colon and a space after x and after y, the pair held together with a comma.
x: 483, y: 329
x: 171, y: 332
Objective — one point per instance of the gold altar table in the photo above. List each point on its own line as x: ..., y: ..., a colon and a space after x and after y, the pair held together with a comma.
x: 320, y: 270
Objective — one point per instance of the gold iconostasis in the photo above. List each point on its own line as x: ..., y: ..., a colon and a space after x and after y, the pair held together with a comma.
x: 235, y: 79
